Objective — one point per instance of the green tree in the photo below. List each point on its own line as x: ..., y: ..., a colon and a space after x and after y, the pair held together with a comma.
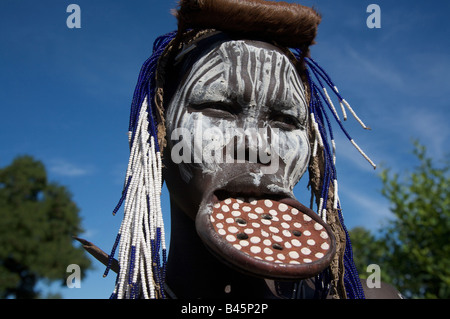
x: 367, y: 250
x: 417, y: 239
x: 37, y: 222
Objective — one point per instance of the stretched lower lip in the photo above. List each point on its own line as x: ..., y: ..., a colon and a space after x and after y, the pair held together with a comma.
x: 235, y: 234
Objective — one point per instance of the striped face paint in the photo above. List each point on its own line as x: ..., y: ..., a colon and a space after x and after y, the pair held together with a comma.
x: 241, y: 91
x: 236, y: 96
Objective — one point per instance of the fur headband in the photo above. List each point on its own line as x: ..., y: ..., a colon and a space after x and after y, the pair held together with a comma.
x: 291, y: 25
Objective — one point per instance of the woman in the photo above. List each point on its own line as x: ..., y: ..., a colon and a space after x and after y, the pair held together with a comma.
x: 226, y: 112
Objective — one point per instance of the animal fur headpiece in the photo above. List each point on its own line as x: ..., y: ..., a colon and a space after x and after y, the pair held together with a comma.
x: 292, y: 25
x: 142, y: 251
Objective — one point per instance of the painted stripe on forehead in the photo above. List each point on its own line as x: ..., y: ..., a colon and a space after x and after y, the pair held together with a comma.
x: 298, y: 92
x: 274, y: 76
x: 265, y: 88
x: 249, y: 69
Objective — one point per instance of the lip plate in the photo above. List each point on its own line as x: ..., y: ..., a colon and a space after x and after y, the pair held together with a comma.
x: 247, y: 264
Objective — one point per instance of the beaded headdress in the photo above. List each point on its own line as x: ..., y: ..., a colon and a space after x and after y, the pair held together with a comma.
x: 141, y: 238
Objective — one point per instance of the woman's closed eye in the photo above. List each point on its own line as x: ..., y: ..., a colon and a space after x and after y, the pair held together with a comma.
x: 215, y: 109
x: 285, y: 121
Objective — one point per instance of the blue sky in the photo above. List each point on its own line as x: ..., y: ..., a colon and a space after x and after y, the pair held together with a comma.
x: 65, y: 96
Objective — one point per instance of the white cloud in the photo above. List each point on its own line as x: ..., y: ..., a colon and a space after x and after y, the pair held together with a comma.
x: 64, y: 168
x: 431, y: 129
x: 369, y: 210
x: 378, y: 69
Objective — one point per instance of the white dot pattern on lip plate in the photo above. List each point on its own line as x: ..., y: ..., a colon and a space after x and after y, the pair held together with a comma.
x: 269, y: 230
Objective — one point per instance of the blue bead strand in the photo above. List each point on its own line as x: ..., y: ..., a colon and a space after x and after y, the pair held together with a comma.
x: 131, y: 267
x: 122, y: 198
x: 351, y: 277
x: 111, y: 255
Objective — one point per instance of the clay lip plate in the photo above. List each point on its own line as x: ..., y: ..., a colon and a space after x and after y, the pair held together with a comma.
x: 272, y: 243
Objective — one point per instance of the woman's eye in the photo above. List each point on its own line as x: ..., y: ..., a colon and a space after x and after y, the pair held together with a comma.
x: 214, y: 109
x: 287, y: 122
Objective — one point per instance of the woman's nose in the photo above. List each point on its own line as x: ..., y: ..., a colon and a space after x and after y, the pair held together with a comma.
x: 250, y: 145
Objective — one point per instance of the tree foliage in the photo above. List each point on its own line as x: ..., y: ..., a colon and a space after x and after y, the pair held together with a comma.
x: 368, y: 250
x: 37, y: 222
x: 418, y: 238
x: 414, y: 248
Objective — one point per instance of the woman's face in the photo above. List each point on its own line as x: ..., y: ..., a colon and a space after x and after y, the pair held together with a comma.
x: 237, y: 123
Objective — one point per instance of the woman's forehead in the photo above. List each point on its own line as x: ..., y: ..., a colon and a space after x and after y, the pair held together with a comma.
x: 250, y: 72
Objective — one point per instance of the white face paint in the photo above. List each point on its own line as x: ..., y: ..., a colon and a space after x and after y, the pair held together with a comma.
x: 241, y: 89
